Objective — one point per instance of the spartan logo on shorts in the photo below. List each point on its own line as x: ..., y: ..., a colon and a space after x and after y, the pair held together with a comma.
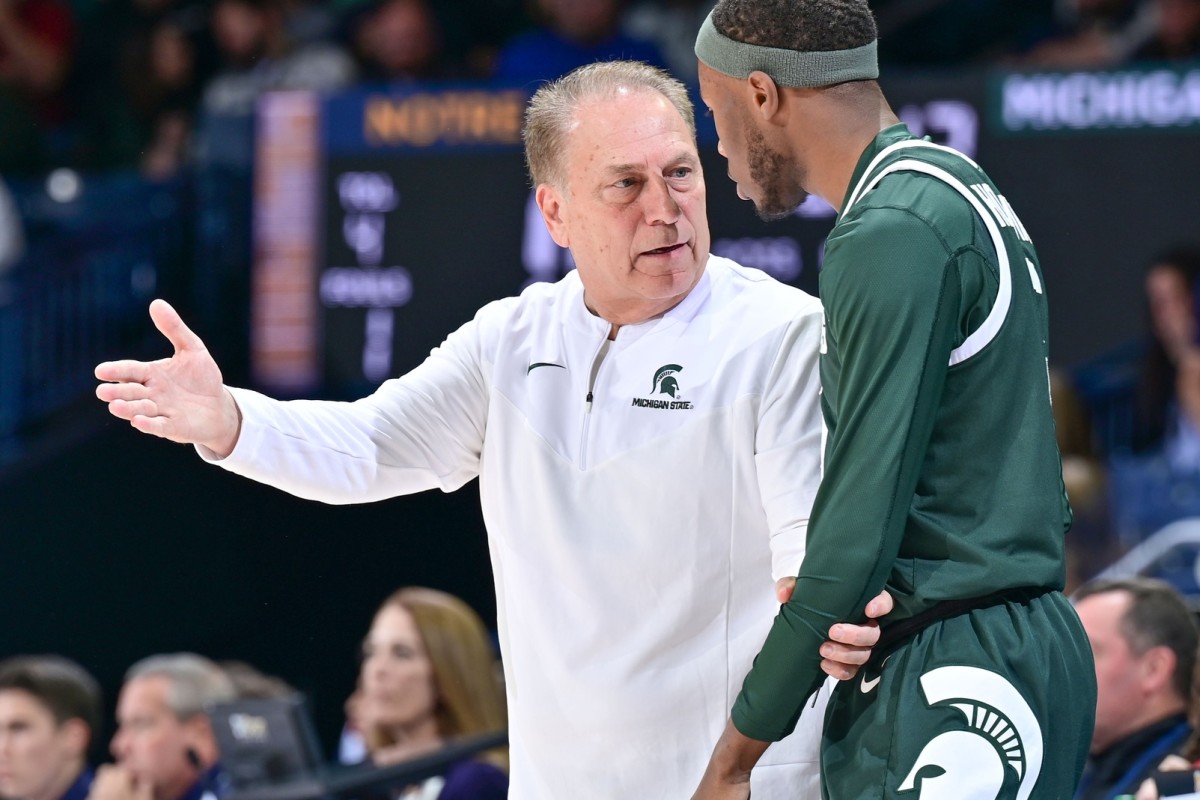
x: 665, y: 392
x: 1003, y: 735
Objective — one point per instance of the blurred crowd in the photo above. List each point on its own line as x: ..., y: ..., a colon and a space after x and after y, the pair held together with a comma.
x: 428, y: 676
x: 97, y: 84
x: 1131, y: 466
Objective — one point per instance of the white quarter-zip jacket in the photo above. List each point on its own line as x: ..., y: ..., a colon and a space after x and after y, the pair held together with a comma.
x: 641, y: 496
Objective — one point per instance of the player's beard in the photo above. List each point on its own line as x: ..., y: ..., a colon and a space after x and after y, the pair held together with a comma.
x: 776, y: 177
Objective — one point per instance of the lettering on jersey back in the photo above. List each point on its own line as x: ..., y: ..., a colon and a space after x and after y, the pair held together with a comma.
x: 1001, y: 210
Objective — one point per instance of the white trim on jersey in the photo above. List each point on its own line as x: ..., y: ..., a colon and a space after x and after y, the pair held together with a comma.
x: 980, y: 338
x: 887, y: 151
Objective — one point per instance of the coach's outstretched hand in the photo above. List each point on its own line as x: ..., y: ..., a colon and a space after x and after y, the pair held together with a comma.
x: 181, y: 398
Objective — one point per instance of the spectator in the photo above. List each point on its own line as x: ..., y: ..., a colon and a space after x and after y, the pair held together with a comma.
x: 141, y: 67
x: 1144, y: 639
x: 396, y: 40
x: 49, y: 712
x: 259, y: 56
x: 1155, y: 484
x: 164, y: 746
x: 12, y: 234
x: 1176, y: 35
x: 37, y: 43
x: 1168, y: 397
x: 572, y: 33
x: 164, y: 85
x: 428, y: 675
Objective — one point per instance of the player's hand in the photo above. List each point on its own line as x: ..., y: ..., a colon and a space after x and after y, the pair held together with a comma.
x: 114, y: 782
x: 849, y: 646
x: 181, y: 398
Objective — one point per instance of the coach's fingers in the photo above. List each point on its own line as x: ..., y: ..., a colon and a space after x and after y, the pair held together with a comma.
x: 784, y: 587
x: 126, y: 409
x: 124, y: 371
x: 880, y: 605
x: 111, y: 392
x: 163, y: 427
x: 838, y: 670
x: 172, y: 326
x: 847, y: 655
x: 865, y: 635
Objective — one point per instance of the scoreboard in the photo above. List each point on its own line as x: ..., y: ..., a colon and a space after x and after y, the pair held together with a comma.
x: 385, y: 217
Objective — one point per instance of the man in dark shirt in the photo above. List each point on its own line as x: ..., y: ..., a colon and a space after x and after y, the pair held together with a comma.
x: 1144, y: 641
x: 49, y: 711
x: 164, y: 745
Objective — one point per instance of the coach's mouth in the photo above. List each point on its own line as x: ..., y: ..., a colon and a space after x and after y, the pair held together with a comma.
x: 662, y: 251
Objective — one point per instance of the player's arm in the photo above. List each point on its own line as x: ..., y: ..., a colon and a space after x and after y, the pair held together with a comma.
x: 892, y: 303
x: 788, y: 463
x: 892, y: 307
x: 727, y: 776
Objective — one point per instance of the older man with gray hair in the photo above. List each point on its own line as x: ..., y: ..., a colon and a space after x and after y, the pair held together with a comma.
x: 164, y: 744
x: 646, y: 434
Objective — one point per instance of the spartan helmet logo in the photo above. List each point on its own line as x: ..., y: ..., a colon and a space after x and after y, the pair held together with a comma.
x: 1004, y: 733
x: 664, y: 380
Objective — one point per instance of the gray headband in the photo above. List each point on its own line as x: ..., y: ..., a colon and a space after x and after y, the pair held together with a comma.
x: 786, y: 67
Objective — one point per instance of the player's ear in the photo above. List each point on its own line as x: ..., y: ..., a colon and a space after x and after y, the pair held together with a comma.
x: 554, y: 212
x: 764, y: 94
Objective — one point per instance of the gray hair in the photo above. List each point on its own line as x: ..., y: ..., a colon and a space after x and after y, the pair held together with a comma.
x: 552, y: 109
x: 194, y: 682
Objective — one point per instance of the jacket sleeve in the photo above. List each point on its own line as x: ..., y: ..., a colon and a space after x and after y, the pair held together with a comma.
x: 420, y: 431
x: 891, y: 296
x: 787, y: 448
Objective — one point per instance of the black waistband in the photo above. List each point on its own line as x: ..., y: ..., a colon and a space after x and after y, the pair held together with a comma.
x: 894, y: 634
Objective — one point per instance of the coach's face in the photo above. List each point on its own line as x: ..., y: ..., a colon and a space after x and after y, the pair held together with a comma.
x: 632, y: 209
x: 764, y: 173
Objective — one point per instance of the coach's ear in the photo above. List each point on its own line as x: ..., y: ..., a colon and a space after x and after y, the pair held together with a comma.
x: 554, y: 212
x: 764, y: 94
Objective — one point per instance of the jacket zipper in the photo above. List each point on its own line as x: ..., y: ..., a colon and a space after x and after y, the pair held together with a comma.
x: 597, y: 361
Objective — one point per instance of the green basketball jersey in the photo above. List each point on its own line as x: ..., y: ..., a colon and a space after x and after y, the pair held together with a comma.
x: 942, y: 476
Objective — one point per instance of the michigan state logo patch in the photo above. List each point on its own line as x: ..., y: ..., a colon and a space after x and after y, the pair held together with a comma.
x: 664, y: 379
x: 665, y: 392
x: 1002, y: 736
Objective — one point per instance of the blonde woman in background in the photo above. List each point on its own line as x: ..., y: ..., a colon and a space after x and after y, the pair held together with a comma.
x: 429, y: 676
